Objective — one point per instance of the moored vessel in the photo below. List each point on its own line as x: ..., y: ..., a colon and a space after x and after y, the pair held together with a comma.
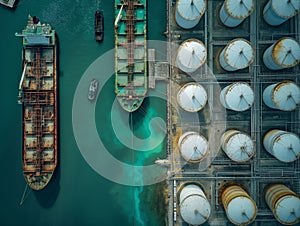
x: 38, y: 96
x: 93, y: 89
x: 130, y: 53
x: 99, y: 26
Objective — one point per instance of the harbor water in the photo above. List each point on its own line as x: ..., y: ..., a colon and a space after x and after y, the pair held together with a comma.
x: 76, y: 195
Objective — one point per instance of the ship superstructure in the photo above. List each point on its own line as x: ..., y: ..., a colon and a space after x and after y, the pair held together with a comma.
x: 38, y: 96
x: 130, y: 53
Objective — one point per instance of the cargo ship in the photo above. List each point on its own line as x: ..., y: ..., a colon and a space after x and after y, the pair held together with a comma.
x: 99, y: 26
x: 38, y: 96
x: 130, y: 53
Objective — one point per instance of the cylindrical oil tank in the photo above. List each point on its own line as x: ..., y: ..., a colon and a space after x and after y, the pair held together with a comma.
x: 189, y: 12
x: 193, y: 146
x: 238, y: 96
x: 283, y: 96
x: 277, y: 12
x: 191, y: 55
x: 285, y: 146
x: 194, y: 206
x: 284, y: 53
x: 234, y: 12
x: 237, y: 145
x: 237, y: 54
x: 192, y: 97
x: 240, y: 208
x: 284, y: 203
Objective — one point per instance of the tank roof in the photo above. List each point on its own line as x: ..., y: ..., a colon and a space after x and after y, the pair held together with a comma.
x: 286, y: 95
x: 191, y: 55
x: 191, y: 9
x: 240, y: 147
x: 287, y: 147
x: 239, y: 9
x: 287, y: 209
x: 239, y: 53
x: 194, y: 207
x: 285, y: 8
x: 192, y: 97
x: 238, y: 96
x: 241, y: 210
x: 286, y: 52
x: 193, y: 146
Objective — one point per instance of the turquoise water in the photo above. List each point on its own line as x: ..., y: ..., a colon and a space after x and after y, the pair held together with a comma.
x: 77, y: 195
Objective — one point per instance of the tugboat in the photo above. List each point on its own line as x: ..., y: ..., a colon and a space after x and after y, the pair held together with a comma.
x: 38, y: 96
x: 99, y: 26
x: 93, y: 89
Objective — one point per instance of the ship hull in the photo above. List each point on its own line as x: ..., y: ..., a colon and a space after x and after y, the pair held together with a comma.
x: 38, y: 90
x: 39, y: 115
x: 130, y: 53
x: 99, y: 26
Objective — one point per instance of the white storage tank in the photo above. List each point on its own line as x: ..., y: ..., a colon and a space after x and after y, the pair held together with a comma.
x: 191, y: 55
x: 194, y: 206
x: 192, y: 97
x: 189, y: 12
x: 240, y: 208
x: 238, y: 96
x: 284, y: 53
x: 234, y: 12
x: 285, y: 146
x: 238, y: 54
x: 277, y: 12
x: 237, y: 145
x: 193, y: 147
x: 283, y: 96
x: 284, y: 203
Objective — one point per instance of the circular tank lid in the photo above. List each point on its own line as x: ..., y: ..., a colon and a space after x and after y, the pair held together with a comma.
x: 286, y: 147
x: 192, y: 97
x: 287, y: 209
x: 239, y: 97
x: 193, y: 147
x: 239, y: 9
x: 239, y: 53
x: 191, y: 54
x: 191, y: 9
x: 286, y: 52
x: 195, y: 209
x: 240, y: 147
x: 285, y: 8
x: 286, y: 96
x: 241, y: 210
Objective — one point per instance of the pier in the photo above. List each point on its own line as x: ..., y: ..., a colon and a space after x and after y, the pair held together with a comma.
x: 158, y: 71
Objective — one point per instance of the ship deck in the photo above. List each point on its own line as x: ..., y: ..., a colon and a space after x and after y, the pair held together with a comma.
x: 39, y: 115
x: 131, y: 54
